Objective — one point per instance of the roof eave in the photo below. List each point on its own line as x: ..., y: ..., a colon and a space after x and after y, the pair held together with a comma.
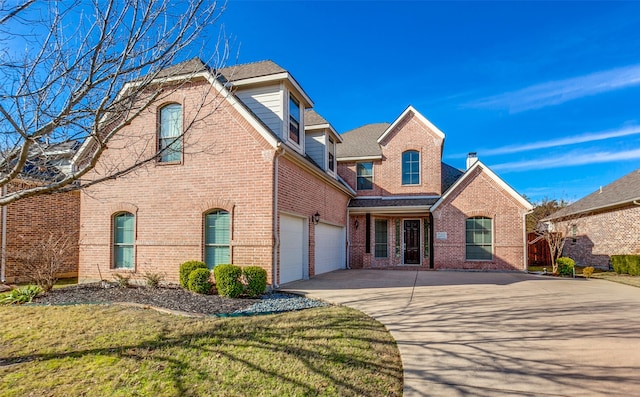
x: 360, y: 158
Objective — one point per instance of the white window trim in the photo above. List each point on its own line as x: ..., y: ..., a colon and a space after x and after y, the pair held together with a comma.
x: 419, y: 168
x: 299, y: 146
x: 372, y: 177
x: 493, y: 240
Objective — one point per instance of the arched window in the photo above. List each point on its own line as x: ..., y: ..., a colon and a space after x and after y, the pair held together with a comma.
x: 411, y: 167
x: 170, y: 134
x: 123, y: 240
x: 216, y: 238
x: 479, y: 238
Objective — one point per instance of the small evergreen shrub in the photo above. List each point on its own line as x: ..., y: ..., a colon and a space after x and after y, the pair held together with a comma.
x: 153, y: 279
x: 186, y: 269
x: 228, y: 280
x: 626, y: 264
x: 21, y: 295
x: 587, y: 271
x: 565, y: 266
x: 199, y: 281
x: 256, y: 280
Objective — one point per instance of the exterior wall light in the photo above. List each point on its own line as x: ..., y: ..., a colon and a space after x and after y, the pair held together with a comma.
x: 316, y: 218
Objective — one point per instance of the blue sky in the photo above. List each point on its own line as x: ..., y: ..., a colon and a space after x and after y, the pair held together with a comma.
x: 547, y: 93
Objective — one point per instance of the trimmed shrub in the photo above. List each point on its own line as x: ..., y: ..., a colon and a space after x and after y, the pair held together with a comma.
x: 565, y: 266
x: 626, y: 264
x: 587, y: 271
x: 228, y: 280
x: 199, y: 281
x: 256, y: 280
x: 186, y: 269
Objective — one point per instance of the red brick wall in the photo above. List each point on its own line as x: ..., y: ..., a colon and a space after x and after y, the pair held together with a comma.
x: 598, y: 236
x: 226, y: 164
x: 480, y: 196
x: 409, y: 134
x: 32, y: 219
x: 302, y: 193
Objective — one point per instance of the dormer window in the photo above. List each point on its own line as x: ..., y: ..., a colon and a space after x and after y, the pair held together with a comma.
x: 332, y: 148
x: 294, y: 120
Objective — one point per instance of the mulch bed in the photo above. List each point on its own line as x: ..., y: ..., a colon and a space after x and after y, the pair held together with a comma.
x: 173, y: 298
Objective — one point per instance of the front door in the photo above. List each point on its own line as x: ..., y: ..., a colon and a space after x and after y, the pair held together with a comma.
x: 412, y: 242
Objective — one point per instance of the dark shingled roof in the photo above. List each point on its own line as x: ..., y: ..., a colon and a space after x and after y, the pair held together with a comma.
x: 389, y: 202
x: 362, y: 141
x: 449, y: 176
x: 311, y: 117
x: 193, y: 65
x: 250, y: 70
x: 622, y: 191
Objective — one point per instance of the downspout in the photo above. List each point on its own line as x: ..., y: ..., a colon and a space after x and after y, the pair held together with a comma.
x: 3, y: 256
x: 276, y: 237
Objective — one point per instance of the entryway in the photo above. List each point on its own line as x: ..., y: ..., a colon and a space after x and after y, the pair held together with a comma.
x: 411, y: 242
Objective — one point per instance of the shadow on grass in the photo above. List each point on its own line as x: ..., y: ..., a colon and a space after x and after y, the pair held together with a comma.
x: 341, y: 349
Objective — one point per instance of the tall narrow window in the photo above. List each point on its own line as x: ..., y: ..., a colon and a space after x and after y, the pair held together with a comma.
x: 216, y: 238
x: 170, y: 134
x: 294, y: 119
x: 332, y: 149
x: 410, y: 167
x: 123, y: 238
x: 365, y: 176
x: 381, y: 238
x: 479, y: 238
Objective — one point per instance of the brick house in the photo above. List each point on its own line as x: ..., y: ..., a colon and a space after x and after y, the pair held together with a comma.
x: 604, y: 223
x: 262, y: 179
x: 414, y: 211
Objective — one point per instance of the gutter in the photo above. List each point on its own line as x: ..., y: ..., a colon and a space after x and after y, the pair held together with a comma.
x: 348, y: 248
x: 3, y: 255
x: 276, y: 238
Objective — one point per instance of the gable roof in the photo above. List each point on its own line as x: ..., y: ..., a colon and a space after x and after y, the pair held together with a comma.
x: 620, y: 192
x: 313, y: 121
x: 362, y: 142
x: 411, y: 110
x: 470, y: 172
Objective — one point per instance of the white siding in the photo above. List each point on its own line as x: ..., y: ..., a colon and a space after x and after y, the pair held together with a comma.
x: 267, y: 103
x: 316, y: 148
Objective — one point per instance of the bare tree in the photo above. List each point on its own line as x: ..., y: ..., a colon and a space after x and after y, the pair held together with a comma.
x: 77, y: 72
x: 555, y: 230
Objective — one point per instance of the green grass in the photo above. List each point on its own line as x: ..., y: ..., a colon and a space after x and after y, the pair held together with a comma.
x: 618, y: 278
x: 117, y: 351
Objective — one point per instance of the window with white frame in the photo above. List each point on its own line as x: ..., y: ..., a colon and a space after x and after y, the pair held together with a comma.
x: 364, y: 172
x: 479, y: 238
x: 381, y: 239
x: 123, y: 240
x: 294, y: 119
x: 170, y: 134
x: 332, y: 149
x: 410, y: 167
x: 217, y: 235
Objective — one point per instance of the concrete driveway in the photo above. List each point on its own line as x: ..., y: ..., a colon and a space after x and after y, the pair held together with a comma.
x: 498, y: 334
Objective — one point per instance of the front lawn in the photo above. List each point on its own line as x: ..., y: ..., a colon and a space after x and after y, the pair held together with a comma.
x: 619, y: 278
x: 100, y: 350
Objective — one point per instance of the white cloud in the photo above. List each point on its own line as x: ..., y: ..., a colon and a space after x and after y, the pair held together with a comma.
x: 561, y: 91
x: 568, y: 159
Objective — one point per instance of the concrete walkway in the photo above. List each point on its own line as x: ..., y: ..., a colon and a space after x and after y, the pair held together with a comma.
x: 498, y: 334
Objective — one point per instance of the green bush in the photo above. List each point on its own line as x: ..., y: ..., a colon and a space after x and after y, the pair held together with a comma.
x: 626, y: 264
x: 256, y: 280
x: 565, y: 266
x: 21, y: 295
x: 122, y: 281
x: 199, y: 281
x: 228, y: 280
x: 186, y: 269
x: 587, y: 271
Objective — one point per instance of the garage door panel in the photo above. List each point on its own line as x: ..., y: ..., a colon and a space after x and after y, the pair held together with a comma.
x: 291, y: 248
x: 330, y: 247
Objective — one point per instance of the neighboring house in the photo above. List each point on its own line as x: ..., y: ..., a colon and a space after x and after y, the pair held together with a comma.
x: 30, y: 220
x: 604, y: 223
x: 262, y: 179
x: 414, y: 211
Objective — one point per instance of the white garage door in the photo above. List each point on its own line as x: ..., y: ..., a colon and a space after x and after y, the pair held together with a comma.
x: 330, y: 247
x: 291, y: 248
